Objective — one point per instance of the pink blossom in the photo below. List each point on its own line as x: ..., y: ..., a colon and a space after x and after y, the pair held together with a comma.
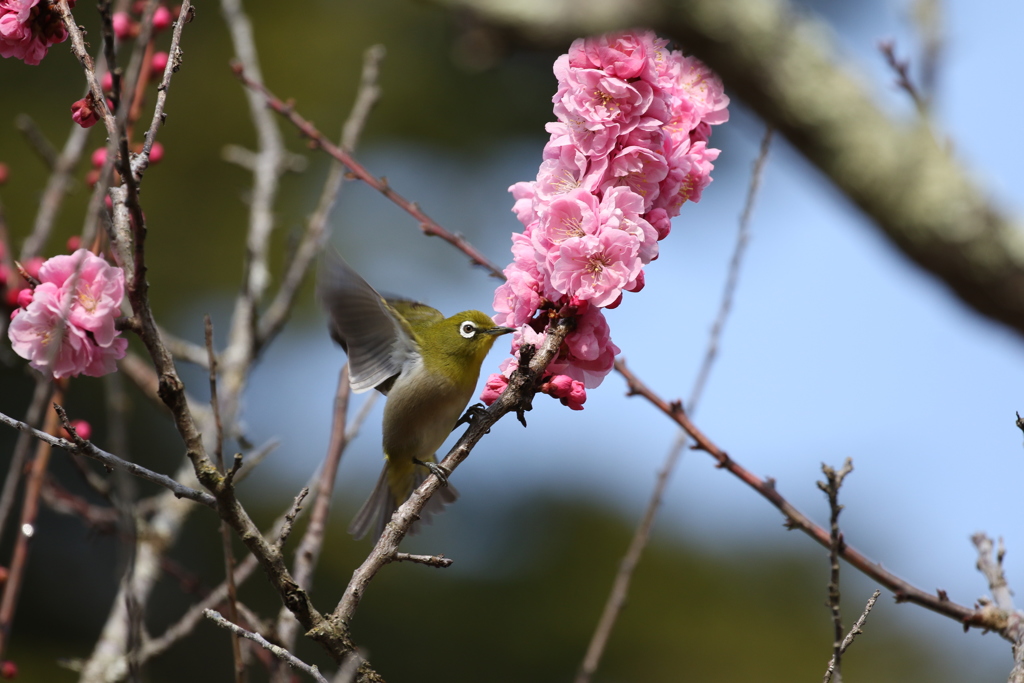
x: 593, y: 139
x: 621, y: 209
x: 96, y: 291
x: 84, y: 111
x: 494, y: 388
x: 565, y: 168
x: 627, y: 55
x: 67, y: 328
x: 28, y: 29
x: 524, y: 193
x: 596, y: 267
x: 600, y: 99
x: 518, y: 298
x: 690, y: 172
x: 639, y: 169
x: 704, y: 89
x: 570, y: 215
x: 570, y: 391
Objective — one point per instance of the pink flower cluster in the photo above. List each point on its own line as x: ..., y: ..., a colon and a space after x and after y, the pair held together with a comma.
x: 28, y: 28
x: 628, y: 149
x: 64, y: 326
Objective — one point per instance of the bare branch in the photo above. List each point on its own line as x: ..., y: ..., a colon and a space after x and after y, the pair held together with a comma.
x: 833, y: 481
x: 427, y: 224
x: 858, y: 628
x: 905, y: 592
x: 89, y: 450
x: 279, y: 652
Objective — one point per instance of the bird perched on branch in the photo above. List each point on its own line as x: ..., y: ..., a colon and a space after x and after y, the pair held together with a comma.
x: 426, y: 364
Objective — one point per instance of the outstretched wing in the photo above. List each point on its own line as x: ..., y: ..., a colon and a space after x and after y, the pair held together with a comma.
x: 378, y: 341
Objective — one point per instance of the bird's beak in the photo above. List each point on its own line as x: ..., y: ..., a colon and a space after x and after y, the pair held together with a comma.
x: 498, y: 331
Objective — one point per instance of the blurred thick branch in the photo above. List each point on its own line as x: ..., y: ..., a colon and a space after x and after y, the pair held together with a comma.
x: 780, y: 63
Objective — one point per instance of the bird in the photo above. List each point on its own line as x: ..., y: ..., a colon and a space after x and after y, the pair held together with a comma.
x: 426, y: 364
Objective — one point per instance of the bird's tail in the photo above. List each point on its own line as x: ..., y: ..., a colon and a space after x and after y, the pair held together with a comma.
x: 394, y: 486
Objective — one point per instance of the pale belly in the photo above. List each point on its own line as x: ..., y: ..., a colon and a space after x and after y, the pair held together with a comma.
x: 420, y: 414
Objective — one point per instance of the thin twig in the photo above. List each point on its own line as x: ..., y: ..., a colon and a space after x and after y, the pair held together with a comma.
x: 858, y: 628
x: 225, y: 531
x: 29, y: 511
x: 794, y: 519
x: 33, y: 416
x: 438, y: 561
x: 308, y: 553
x: 620, y: 586
x: 1001, y: 607
x: 427, y: 224
x: 314, y: 236
x: 90, y: 450
x: 902, y: 70
x: 279, y: 652
x: 831, y: 485
x: 241, y: 349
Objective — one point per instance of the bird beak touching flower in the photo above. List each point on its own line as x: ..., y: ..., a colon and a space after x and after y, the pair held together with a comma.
x: 498, y: 331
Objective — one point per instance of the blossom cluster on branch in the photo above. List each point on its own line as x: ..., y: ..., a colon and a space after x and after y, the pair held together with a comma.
x: 629, y: 148
x: 28, y: 28
x: 65, y: 324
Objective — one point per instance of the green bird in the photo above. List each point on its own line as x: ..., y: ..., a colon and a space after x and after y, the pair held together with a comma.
x: 426, y: 364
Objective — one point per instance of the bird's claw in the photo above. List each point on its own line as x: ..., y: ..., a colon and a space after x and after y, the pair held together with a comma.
x: 440, y: 472
x: 472, y: 413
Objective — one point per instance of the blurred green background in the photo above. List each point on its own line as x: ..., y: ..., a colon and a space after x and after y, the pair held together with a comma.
x: 532, y: 570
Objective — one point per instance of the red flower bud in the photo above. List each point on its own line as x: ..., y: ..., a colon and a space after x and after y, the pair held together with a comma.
x: 162, y: 19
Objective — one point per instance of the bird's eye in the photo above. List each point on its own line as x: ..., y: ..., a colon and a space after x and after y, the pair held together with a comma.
x: 467, y: 329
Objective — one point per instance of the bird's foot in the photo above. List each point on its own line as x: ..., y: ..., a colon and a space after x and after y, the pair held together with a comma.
x: 473, y: 413
x: 440, y: 472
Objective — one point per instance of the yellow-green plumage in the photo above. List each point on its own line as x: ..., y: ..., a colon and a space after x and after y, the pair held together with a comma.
x: 426, y: 364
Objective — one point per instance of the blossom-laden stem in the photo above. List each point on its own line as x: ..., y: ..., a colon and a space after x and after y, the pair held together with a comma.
x: 427, y: 224
x: 27, y: 527
x: 904, y: 591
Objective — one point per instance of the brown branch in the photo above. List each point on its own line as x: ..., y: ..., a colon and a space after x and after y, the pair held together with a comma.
x: 904, y: 591
x: 33, y: 416
x: 427, y: 224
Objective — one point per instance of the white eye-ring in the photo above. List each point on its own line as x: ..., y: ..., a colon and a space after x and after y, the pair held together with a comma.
x: 467, y: 329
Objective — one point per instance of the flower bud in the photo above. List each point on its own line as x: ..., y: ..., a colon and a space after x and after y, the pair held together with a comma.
x: 162, y: 19
x: 74, y: 243
x: 3, y: 173
x: 156, y: 153
x: 157, y: 65
x: 8, y: 669
x: 124, y: 27
x: 82, y: 428
x: 99, y: 157
x: 83, y: 112
x: 107, y: 82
